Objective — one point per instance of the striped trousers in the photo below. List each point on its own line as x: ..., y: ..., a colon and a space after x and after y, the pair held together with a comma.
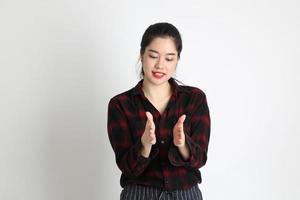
x: 139, y: 192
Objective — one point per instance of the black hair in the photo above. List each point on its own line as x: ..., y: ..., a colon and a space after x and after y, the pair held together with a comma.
x: 161, y: 29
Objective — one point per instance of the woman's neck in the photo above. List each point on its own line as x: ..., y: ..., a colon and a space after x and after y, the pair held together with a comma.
x: 157, y: 92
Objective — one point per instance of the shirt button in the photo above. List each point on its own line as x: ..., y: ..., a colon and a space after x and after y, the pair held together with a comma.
x: 162, y: 142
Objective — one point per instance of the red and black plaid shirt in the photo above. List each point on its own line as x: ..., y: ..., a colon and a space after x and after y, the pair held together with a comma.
x: 165, y: 167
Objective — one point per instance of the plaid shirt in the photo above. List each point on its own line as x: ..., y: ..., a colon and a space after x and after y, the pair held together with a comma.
x: 165, y: 168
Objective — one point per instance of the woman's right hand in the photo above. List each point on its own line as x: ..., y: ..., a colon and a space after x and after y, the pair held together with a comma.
x: 148, y: 138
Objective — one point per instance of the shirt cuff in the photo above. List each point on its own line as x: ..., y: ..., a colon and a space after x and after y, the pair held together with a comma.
x: 142, y: 162
x: 176, y: 158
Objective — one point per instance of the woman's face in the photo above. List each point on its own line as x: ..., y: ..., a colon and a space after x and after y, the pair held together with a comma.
x: 159, y: 60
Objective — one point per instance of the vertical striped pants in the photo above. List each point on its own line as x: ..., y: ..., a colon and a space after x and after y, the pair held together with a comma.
x: 138, y: 192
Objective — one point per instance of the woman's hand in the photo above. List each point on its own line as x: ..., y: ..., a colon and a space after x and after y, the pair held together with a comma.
x: 148, y: 138
x: 178, y: 133
x: 179, y: 138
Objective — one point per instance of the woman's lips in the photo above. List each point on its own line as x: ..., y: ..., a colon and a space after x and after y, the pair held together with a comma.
x: 158, y: 74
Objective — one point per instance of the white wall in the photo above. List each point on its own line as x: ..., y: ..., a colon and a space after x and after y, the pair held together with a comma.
x: 61, y: 62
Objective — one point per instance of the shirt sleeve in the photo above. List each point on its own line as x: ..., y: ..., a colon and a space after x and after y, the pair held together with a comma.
x: 198, y: 138
x: 127, y: 152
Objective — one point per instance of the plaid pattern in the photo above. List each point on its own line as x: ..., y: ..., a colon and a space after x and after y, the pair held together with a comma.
x: 165, y: 167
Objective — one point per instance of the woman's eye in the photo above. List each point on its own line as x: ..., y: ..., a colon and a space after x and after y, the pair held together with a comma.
x: 169, y: 59
x: 151, y: 56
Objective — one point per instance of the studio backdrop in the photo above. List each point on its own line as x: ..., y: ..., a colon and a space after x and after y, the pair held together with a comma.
x: 62, y: 61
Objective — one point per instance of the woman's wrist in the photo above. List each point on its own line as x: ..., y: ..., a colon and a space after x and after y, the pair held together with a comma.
x: 184, y: 151
x: 145, y: 150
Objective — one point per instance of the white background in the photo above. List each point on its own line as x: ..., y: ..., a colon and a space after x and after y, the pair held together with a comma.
x: 61, y: 61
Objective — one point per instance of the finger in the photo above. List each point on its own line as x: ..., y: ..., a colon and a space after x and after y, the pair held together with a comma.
x: 149, y: 116
x: 179, y: 136
x: 152, y: 125
x: 152, y: 139
x: 181, y: 130
x: 180, y: 141
x: 181, y: 119
x: 152, y: 136
x: 152, y: 130
x: 177, y: 142
x: 150, y: 120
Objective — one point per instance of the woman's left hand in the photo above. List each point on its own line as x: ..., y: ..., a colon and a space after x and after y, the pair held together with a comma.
x: 178, y: 132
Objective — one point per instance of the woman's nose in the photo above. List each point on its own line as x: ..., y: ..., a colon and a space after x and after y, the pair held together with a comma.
x: 160, y: 63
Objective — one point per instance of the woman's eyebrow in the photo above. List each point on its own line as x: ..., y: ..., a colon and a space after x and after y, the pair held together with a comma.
x: 171, y: 54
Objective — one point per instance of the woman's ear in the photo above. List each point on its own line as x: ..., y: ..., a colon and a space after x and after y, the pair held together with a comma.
x: 141, y: 58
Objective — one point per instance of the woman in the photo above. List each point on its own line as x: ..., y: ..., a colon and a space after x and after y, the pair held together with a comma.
x: 159, y: 130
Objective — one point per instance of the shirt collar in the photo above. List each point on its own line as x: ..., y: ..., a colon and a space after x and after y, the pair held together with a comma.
x: 176, y: 89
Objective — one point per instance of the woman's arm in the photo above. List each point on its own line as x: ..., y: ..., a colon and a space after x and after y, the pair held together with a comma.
x: 127, y: 152
x: 196, y: 142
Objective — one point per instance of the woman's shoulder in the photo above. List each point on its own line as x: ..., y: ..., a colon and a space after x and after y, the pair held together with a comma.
x: 186, y: 88
x: 192, y: 90
x: 122, y: 97
x: 193, y: 95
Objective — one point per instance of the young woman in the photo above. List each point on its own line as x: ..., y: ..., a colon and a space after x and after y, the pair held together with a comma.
x: 159, y: 130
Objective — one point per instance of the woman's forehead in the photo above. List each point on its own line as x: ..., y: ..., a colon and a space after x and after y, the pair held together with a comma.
x: 162, y: 45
